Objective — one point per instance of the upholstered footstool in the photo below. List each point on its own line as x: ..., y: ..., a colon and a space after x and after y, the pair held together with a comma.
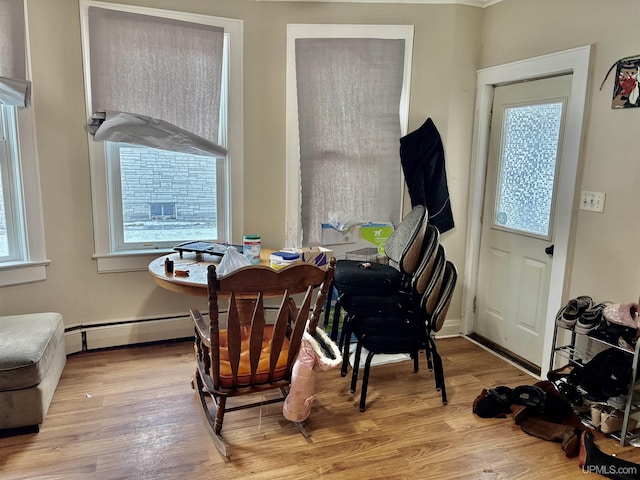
x: 32, y: 357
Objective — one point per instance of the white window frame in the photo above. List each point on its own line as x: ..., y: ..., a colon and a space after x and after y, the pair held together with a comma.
x: 31, y: 266
x: 108, y: 258
x: 295, y: 31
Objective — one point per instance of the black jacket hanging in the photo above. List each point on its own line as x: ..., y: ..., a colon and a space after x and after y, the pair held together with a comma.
x: 422, y: 159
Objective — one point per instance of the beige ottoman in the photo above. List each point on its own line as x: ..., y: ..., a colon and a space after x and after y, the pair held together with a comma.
x: 32, y: 357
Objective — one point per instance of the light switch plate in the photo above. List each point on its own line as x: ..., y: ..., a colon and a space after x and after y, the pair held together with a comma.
x: 592, y: 201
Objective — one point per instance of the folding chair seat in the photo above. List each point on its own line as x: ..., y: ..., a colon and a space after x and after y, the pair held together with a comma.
x: 426, y: 283
x: 401, y: 302
x: 407, y: 333
x: 354, y: 279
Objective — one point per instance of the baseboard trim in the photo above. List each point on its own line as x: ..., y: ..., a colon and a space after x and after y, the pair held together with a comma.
x: 92, y: 337
x: 511, y: 357
x: 450, y: 328
x: 84, y: 337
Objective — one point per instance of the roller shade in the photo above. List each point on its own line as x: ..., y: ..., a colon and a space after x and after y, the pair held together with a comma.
x: 15, y: 92
x: 15, y: 89
x: 151, y: 132
x: 157, y: 79
x: 349, y: 93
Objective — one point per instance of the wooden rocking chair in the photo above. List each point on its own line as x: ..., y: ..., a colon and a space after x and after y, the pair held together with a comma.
x: 253, y: 354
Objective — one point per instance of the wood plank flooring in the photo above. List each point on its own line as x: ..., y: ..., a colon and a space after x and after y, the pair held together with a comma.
x: 130, y: 413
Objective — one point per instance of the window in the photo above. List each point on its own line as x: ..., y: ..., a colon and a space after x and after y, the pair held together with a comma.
x: 157, y: 186
x: 177, y: 74
x: 11, y: 235
x: 347, y: 107
x: 531, y: 136
x: 162, y: 211
x: 22, y: 248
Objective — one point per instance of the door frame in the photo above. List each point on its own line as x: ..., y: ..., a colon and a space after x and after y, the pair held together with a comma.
x: 577, y: 62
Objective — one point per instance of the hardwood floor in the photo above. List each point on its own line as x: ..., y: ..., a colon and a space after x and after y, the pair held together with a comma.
x: 130, y: 413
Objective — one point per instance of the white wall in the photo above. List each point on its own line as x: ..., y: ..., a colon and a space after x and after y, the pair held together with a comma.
x: 606, y: 260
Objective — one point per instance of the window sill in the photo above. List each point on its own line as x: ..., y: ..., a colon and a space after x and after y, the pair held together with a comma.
x: 131, y: 261
x: 18, y: 273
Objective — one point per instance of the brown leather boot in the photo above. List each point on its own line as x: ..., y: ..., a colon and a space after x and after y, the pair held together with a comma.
x: 567, y: 436
x: 519, y: 413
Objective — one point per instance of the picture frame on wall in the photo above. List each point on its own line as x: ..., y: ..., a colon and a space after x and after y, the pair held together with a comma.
x: 626, y: 89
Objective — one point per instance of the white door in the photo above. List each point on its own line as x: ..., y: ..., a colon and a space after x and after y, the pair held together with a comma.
x: 515, y: 263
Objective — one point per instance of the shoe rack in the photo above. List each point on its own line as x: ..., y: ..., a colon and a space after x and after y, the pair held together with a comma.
x: 578, y: 353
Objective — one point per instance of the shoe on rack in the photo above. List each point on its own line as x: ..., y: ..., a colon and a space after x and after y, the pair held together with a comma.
x: 560, y: 320
x: 591, y: 318
x: 569, y: 314
x: 584, y: 325
x: 611, y: 421
x: 611, y: 333
x: 624, y: 343
x: 560, y: 373
x: 618, y: 402
x: 571, y: 394
x: 625, y: 314
x: 596, y: 414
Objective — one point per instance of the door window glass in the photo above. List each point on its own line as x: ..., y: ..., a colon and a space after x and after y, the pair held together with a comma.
x: 531, y: 135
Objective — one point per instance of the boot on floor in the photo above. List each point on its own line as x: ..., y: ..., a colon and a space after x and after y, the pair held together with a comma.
x: 567, y: 436
x: 593, y: 460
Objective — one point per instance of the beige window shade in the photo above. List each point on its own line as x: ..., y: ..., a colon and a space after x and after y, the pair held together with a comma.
x: 12, y: 41
x: 15, y: 89
x: 150, y: 132
x: 349, y: 125
x: 15, y: 92
x: 165, y: 70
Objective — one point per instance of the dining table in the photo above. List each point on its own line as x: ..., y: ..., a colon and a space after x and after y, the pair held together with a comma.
x: 189, y: 273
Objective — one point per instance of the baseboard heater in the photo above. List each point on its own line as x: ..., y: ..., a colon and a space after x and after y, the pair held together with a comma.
x: 91, y: 337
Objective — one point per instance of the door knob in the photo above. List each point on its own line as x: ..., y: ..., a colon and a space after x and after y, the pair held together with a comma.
x: 549, y: 250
